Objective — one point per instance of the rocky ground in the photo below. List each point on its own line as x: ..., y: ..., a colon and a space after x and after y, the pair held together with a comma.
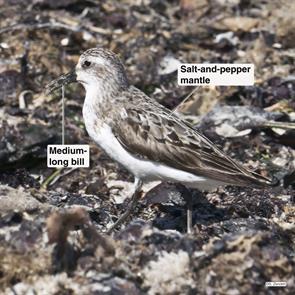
x: 53, y: 222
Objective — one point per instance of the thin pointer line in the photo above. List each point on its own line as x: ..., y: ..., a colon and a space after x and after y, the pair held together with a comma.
x: 63, y: 114
x: 182, y: 102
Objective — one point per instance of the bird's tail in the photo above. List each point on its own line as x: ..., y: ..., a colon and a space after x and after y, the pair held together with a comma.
x: 256, y: 180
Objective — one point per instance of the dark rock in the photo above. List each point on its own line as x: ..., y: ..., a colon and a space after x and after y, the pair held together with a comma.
x: 10, y: 82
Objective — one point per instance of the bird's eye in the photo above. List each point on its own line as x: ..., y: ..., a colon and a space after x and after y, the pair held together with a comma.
x: 86, y: 64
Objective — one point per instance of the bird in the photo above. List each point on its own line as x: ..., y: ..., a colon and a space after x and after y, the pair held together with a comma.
x: 145, y: 137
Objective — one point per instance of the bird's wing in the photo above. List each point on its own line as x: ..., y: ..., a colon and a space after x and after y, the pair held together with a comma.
x: 165, y: 138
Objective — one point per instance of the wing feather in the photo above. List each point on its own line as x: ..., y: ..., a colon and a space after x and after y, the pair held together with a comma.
x: 173, y: 142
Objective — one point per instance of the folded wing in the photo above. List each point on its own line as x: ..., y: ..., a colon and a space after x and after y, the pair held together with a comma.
x: 171, y: 141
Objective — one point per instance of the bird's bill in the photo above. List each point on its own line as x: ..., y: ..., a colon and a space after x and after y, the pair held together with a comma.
x: 60, y: 81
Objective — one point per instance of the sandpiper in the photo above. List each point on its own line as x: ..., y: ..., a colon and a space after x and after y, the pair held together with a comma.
x: 144, y: 137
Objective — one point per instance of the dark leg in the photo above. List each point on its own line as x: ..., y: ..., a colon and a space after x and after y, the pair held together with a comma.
x: 131, y: 206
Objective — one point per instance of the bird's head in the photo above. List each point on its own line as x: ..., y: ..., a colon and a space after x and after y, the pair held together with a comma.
x: 97, y: 68
x: 101, y: 67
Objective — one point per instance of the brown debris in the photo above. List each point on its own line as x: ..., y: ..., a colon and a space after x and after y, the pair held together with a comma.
x: 59, y: 225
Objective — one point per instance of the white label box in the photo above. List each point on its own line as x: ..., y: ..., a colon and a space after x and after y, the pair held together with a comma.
x: 67, y: 155
x: 221, y: 74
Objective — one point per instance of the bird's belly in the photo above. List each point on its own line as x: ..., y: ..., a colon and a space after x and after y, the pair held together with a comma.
x: 143, y: 169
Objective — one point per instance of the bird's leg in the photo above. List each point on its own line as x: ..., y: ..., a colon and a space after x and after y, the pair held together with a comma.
x: 131, y: 206
x: 189, y: 213
x: 187, y: 195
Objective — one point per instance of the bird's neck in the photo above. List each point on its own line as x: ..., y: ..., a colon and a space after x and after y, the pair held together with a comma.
x: 101, y: 99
